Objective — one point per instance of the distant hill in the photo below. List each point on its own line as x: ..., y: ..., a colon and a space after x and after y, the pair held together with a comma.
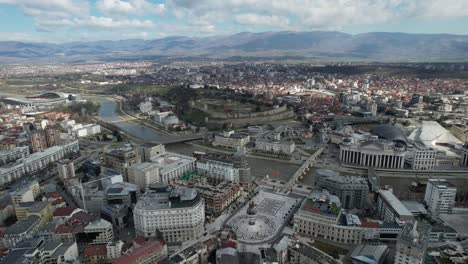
x: 375, y: 46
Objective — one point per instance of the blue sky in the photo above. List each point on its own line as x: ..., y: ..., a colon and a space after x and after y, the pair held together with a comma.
x: 85, y: 20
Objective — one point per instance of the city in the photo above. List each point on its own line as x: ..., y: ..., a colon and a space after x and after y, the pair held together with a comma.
x: 272, y: 147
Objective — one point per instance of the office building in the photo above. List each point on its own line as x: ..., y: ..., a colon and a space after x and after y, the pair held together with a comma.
x: 422, y: 157
x: 320, y: 215
x: 440, y: 196
x: 177, y: 214
x: 222, y: 167
x: 374, y: 153
x: 66, y: 169
x: 121, y: 159
x: 231, y: 140
x: 148, y: 151
x: 390, y: 208
x: 351, y: 190
x: 144, y: 174
x: 173, y: 165
x: 412, y: 243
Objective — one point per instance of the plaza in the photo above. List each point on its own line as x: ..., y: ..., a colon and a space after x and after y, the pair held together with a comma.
x: 260, y: 221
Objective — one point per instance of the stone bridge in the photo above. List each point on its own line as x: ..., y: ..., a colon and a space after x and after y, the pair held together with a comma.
x: 299, y: 174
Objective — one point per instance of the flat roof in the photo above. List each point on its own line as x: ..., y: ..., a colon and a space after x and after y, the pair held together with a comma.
x: 395, y: 203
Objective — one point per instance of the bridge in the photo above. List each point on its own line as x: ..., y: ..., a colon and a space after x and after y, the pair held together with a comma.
x: 299, y: 174
x: 178, y: 139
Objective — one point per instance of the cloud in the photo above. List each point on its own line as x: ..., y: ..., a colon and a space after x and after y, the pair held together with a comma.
x: 110, y: 23
x: 261, y: 20
x: 130, y: 7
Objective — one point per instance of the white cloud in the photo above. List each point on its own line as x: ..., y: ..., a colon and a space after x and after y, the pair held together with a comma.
x: 261, y: 20
x: 130, y: 7
x: 110, y: 23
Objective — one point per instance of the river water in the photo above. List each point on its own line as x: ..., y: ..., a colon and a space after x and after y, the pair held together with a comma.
x: 108, y: 113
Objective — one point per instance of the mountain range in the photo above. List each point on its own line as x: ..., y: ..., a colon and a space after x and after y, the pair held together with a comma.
x: 321, y: 45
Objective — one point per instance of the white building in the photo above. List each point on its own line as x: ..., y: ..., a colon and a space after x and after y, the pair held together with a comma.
x: 101, y: 231
x: 66, y: 169
x: 390, y: 208
x: 374, y: 153
x: 423, y: 158
x: 178, y: 214
x: 173, y: 165
x: 232, y: 140
x: 412, y: 244
x: 319, y: 216
x: 36, y: 162
x: 13, y: 155
x: 166, y: 118
x: 86, y: 130
x: 221, y: 167
x: 144, y: 174
x: 440, y: 196
x: 145, y: 107
x: 275, y: 146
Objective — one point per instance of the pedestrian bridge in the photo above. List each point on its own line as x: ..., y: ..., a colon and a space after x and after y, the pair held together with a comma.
x: 299, y: 174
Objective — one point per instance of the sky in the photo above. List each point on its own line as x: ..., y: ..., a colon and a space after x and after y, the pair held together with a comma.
x: 59, y: 21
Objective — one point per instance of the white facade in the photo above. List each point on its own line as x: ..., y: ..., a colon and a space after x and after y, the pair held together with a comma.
x: 390, y: 208
x: 87, y: 130
x: 379, y: 154
x: 424, y: 159
x: 145, y: 107
x: 178, y: 216
x: 173, y: 165
x: 440, y: 196
x: 275, y: 147
x: 144, y: 174
x: 35, y: 162
x: 66, y: 169
x: 14, y: 154
x: 230, y: 139
x: 412, y: 244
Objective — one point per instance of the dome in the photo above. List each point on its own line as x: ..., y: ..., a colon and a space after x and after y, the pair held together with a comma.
x: 390, y: 132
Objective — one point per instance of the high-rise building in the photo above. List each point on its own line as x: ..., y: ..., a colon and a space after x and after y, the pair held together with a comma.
x: 351, y: 190
x: 41, y: 139
x: 144, y: 174
x: 440, y: 196
x: 176, y: 214
x: 464, y: 159
x: 121, y: 159
x: 66, y: 169
x: 412, y: 243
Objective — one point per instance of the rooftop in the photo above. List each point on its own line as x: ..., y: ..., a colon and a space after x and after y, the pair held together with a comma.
x: 322, y: 203
x: 136, y: 255
x: 395, y: 203
x: 22, y: 226
x: 168, y: 197
x: 415, y: 234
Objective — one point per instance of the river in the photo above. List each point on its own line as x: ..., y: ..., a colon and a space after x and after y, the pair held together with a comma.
x: 108, y: 113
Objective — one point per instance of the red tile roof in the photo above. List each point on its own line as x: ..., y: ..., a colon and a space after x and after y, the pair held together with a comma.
x: 141, y: 253
x: 64, y: 211
x: 95, y: 250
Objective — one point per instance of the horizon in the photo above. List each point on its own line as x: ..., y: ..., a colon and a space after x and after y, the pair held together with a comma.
x: 64, y: 21
x: 229, y: 35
